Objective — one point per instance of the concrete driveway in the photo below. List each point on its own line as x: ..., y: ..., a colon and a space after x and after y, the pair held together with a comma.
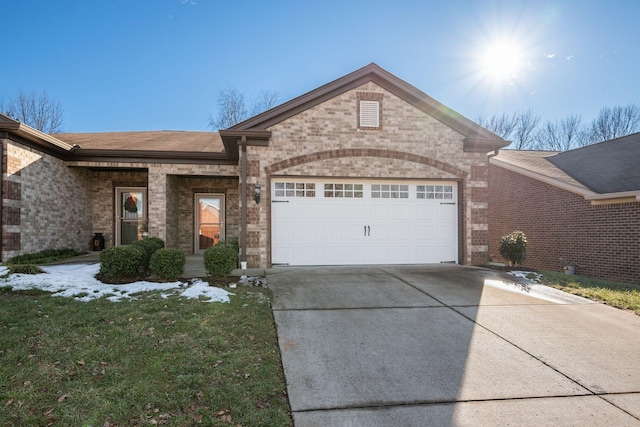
x: 450, y: 345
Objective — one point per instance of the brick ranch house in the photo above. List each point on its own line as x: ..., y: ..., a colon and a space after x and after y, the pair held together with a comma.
x: 366, y: 169
x: 581, y: 206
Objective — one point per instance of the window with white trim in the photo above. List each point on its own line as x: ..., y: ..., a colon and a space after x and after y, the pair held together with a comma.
x: 434, y: 192
x: 347, y: 191
x: 389, y: 191
x: 295, y: 189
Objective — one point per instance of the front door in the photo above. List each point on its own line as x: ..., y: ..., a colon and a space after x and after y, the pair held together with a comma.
x: 209, y: 220
x: 131, y: 214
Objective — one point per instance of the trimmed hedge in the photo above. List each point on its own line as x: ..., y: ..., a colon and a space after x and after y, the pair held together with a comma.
x: 25, y: 269
x: 44, y: 257
x: 149, y: 246
x: 167, y: 264
x: 121, y: 263
x: 221, y: 259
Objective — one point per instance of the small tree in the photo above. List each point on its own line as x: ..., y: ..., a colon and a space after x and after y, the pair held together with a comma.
x: 513, y: 247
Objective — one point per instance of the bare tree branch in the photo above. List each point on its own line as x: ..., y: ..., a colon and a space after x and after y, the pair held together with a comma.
x: 562, y: 135
x: 521, y: 128
x: 615, y: 122
x: 39, y: 111
x: 524, y: 136
x: 266, y: 100
x: 502, y: 125
x: 231, y: 109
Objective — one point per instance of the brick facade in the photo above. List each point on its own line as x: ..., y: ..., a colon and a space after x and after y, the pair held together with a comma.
x: 603, y: 240
x: 52, y: 204
x: 171, y: 190
x: 325, y: 141
x: 45, y: 204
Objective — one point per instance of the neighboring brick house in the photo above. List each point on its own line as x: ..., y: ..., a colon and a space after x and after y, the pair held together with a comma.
x: 365, y: 169
x: 579, y: 207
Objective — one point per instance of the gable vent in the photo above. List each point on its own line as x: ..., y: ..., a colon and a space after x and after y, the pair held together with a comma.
x: 369, y: 114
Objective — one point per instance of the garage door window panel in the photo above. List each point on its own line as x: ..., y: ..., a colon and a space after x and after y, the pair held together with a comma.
x: 389, y: 191
x: 295, y: 189
x: 434, y: 192
x: 347, y: 191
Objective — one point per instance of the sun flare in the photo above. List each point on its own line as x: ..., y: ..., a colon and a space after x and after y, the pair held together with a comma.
x: 501, y: 61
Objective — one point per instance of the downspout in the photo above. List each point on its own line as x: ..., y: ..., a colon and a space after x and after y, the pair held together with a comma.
x: 243, y: 198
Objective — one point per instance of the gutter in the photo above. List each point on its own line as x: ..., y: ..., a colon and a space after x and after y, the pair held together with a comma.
x: 191, y: 157
x: 37, y: 136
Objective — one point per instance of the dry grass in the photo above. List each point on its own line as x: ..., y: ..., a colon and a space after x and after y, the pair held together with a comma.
x: 150, y: 361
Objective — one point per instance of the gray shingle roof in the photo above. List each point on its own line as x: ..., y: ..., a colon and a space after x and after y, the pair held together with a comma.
x: 606, y: 167
x: 537, y: 161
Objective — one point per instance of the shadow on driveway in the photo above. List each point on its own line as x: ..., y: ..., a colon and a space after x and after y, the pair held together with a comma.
x: 449, y: 345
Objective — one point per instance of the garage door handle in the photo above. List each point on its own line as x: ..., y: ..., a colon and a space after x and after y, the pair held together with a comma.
x: 367, y: 231
x: 279, y: 201
x: 445, y: 203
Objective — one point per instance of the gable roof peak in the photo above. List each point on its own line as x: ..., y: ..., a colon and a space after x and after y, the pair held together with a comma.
x: 477, y: 138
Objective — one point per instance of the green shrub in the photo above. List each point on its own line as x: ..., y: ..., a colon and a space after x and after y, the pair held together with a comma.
x: 513, y: 247
x: 168, y: 264
x: 25, y: 269
x: 235, y: 244
x: 221, y: 259
x: 149, y: 246
x: 158, y: 241
x: 44, y: 257
x: 121, y: 263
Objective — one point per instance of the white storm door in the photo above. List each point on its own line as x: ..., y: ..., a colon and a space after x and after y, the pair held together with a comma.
x: 209, y: 220
x: 131, y: 214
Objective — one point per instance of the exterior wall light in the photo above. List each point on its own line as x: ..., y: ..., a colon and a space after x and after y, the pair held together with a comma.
x: 257, y: 192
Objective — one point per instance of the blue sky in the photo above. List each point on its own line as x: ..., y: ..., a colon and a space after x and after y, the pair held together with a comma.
x: 118, y: 65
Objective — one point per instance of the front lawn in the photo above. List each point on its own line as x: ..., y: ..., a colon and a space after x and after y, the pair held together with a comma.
x: 149, y: 361
x: 619, y: 295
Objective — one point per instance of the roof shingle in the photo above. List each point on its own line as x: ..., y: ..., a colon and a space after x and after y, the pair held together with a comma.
x: 606, y: 167
x: 178, y: 141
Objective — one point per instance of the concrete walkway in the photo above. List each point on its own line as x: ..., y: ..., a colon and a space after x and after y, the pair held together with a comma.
x: 450, y: 345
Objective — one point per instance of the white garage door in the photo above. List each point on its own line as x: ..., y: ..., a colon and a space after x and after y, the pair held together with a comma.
x: 345, y: 222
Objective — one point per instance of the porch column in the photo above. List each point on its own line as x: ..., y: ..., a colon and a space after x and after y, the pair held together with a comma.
x: 157, y: 205
x: 243, y: 198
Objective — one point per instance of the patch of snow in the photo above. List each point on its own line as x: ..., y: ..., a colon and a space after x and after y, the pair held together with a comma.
x: 78, y: 281
x: 530, y: 275
x: 534, y: 288
x: 199, y: 288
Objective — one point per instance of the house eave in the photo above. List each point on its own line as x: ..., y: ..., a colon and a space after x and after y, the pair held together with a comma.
x: 33, y: 136
x: 614, y: 198
x: 483, y: 145
x: 144, y: 156
x: 231, y: 137
x: 593, y: 197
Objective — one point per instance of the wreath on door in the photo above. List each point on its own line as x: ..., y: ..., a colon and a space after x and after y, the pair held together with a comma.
x: 131, y: 204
